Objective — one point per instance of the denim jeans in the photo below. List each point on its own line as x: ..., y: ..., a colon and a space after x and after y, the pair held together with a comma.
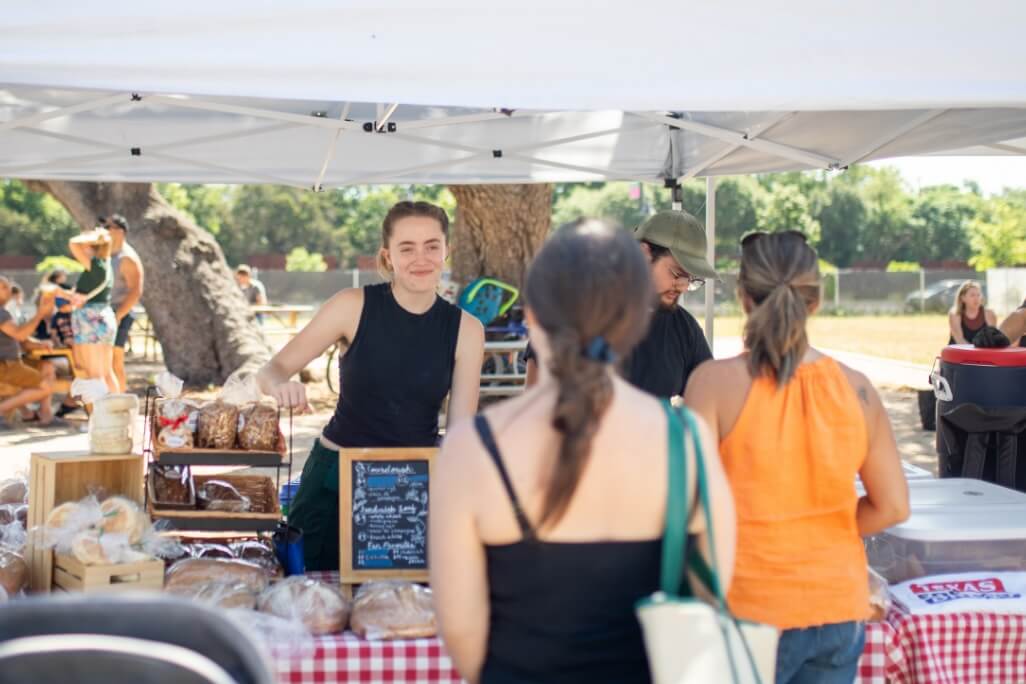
x: 828, y: 654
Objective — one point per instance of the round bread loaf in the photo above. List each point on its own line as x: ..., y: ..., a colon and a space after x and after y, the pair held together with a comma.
x: 13, y: 571
x: 86, y: 547
x: 321, y: 608
x: 116, y: 403
x: 58, y: 517
x: 393, y: 610
x: 109, y: 421
x: 122, y: 516
x: 193, y: 571
x: 13, y: 491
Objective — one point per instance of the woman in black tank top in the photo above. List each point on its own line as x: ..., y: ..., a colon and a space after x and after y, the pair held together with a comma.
x: 540, y: 544
x: 969, y: 316
x: 408, y: 348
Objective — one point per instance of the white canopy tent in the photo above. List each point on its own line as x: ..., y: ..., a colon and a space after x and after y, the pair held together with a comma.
x: 314, y: 93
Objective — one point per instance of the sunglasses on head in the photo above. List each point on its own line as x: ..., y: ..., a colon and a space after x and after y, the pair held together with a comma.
x: 755, y: 236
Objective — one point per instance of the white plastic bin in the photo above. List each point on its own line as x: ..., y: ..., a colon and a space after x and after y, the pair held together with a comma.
x: 939, y: 539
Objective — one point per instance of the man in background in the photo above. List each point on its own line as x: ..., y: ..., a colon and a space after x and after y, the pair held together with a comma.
x: 252, y: 288
x: 128, y: 288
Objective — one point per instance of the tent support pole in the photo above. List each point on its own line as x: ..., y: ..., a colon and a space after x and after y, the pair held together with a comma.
x: 331, y: 149
x: 710, y: 255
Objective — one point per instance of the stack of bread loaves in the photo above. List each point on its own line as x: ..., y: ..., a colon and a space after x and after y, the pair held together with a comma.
x: 110, y: 425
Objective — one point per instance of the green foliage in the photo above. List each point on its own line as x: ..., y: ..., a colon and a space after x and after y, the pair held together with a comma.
x: 32, y: 223
x: 903, y: 267
x: 784, y: 207
x: 998, y: 238
x: 301, y: 260
x: 52, y: 263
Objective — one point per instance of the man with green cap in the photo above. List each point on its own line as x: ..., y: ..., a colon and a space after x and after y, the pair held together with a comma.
x: 674, y: 242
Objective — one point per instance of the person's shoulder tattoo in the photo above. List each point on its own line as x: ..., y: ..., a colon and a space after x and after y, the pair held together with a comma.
x: 863, y: 394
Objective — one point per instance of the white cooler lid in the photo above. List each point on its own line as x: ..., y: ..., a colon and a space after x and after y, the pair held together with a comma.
x: 962, y: 492
x: 914, y: 472
x: 953, y: 524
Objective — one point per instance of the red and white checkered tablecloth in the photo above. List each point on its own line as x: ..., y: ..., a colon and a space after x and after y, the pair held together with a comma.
x: 962, y: 648
x: 955, y: 648
x: 348, y: 658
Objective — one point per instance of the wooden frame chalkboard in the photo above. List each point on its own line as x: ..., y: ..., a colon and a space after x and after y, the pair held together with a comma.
x: 401, y: 491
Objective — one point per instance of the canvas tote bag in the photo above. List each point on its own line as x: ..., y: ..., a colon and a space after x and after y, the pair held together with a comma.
x: 690, y: 641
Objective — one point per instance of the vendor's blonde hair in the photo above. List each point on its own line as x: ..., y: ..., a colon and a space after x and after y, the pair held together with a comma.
x: 959, y: 306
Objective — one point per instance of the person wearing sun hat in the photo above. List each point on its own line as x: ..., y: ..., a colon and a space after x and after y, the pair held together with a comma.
x: 674, y: 243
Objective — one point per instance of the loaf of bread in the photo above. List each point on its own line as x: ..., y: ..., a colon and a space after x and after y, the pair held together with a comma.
x: 116, y: 403
x: 218, y: 425
x: 171, y: 485
x: 259, y: 428
x: 259, y: 553
x: 7, y: 514
x: 60, y: 516
x: 193, y: 571
x: 219, y: 495
x: 122, y: 516
x: 219, y: 593
x: 88, y: 549
x: 175, y: 437
x: 211, y: 551
x: 13, y: 571
x: 320, y: 607
x: 107, y: 421
x: 14, y: 491
x: 393, y: 610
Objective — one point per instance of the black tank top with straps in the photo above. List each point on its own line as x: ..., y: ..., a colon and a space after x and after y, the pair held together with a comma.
x: 971, y: 326
x: 564, y: 611
x: 396, y: 373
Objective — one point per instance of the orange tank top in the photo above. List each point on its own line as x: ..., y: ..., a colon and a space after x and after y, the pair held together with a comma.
x: 791, y: 459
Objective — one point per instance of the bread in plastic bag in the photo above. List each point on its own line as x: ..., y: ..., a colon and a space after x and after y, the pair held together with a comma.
x: 218, y: 425
x: 13, y: 571
x: 211, y: 551
x: 14, y: 491
x: 219, y: 593
x: 193, y: 571
x: 393, y: 610
x: 258, y: 427
x: 219, y: 495
x: 171, y: 485
x: 320, y: 607
x: 123, y: 516
x: 258, y: 552
x: 13, y: 536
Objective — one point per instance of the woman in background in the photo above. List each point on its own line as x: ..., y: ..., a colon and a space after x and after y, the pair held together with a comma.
x: 92, y: 322
x: 968, y: 316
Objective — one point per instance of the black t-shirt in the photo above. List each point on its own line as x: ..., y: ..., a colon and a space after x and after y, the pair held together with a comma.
x: 664, y: 360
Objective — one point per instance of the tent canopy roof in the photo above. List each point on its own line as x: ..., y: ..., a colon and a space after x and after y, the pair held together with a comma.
x: 281, y: 92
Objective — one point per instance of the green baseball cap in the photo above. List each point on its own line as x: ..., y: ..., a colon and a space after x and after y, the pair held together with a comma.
x: 683, y: 235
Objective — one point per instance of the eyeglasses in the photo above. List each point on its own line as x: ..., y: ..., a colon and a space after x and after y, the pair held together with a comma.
x: 756, y: 235
x: 694, y: 282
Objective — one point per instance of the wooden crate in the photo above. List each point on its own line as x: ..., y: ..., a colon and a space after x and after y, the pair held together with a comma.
x: 71, y: 575
x: 59, y: 477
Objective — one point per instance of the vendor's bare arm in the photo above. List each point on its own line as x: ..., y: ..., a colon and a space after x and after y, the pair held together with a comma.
x: 466, y: 377
x: 337, y: 319
x: 457, y: 556
x: 886, y: 500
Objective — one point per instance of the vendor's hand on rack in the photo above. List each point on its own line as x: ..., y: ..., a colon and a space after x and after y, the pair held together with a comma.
x: 292, y: 394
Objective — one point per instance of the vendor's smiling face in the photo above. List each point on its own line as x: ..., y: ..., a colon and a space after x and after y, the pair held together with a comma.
x: 416, y: 253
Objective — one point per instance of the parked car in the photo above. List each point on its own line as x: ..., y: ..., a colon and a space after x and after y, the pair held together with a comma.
x: 940, y: 296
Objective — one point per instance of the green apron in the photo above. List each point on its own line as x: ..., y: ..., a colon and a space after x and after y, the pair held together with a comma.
x: 315, y: 509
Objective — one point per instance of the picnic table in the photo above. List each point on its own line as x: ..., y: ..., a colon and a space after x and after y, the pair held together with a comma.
x: 285, y: 315
x: 955, y: 648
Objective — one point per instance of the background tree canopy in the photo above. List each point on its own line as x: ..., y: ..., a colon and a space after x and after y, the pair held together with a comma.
x: 863, y: 216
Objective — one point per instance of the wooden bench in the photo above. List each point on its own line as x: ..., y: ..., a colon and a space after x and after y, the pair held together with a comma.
x: 60, y: 385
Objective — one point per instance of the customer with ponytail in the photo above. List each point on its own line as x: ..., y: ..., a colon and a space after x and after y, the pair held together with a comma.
x: 546, y: 518
x: 795, y: 427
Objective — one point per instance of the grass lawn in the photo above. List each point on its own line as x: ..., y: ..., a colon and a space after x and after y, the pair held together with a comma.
x: 917, y: 339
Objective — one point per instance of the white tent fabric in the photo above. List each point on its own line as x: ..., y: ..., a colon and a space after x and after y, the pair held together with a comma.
x: 282, y: 91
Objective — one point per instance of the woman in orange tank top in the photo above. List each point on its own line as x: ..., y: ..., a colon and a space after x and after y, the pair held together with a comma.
x: 795, y: 427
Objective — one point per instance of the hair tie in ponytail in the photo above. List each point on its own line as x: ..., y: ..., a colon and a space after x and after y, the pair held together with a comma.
x: 599, y: 350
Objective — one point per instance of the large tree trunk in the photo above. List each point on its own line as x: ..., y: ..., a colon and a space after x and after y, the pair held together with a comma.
x: 499, y: 228
x: 203, y: 323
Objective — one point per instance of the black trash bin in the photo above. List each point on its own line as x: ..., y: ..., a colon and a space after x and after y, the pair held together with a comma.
x: 981, y: 414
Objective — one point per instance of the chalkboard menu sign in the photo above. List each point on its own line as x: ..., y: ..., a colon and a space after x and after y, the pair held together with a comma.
x: 383, y: 511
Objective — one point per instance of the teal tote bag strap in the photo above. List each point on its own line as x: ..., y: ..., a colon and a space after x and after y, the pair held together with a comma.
x: 671, y: 574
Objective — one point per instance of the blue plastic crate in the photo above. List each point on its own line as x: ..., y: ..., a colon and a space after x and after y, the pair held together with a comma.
x: 287, y: 494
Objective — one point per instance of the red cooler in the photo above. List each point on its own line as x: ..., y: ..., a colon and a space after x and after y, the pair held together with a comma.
x: 981, y: 414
